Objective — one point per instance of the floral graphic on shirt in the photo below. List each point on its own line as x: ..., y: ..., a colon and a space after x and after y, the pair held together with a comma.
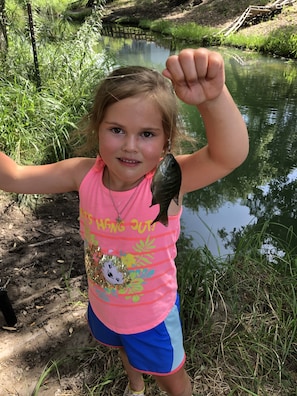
x: 144, y: 246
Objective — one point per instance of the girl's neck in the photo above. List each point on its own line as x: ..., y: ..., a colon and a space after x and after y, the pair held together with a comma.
x: 118, y: 185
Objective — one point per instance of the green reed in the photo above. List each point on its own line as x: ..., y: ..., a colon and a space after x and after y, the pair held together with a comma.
x: 36, y: 125
x: 240, y: 317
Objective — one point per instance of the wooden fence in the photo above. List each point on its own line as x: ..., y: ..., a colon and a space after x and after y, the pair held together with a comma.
x: 252, y: 13
x: 126, y: 32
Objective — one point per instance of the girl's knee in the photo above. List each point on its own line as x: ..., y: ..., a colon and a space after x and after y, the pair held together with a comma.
x: 177, y: 384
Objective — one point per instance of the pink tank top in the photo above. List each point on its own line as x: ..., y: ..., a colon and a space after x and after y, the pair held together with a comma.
x: 130, y: 265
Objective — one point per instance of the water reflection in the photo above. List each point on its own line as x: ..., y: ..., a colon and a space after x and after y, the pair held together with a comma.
x: 264, y: 187
x: 128, y: 51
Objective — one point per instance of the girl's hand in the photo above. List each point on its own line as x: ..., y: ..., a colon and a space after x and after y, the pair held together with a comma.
x: 197, y: 75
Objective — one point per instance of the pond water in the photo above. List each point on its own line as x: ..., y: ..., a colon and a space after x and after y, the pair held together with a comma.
x: 262, y: 190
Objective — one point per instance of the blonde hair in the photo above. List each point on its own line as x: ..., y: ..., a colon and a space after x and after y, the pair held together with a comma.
x: 126, y: 82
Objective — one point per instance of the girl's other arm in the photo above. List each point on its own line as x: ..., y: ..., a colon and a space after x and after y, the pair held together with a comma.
x: 198, y: 78
x: 53, y: 178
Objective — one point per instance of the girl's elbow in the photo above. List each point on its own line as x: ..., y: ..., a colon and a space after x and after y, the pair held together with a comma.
x: 245, y: 149
x: 241, y: 156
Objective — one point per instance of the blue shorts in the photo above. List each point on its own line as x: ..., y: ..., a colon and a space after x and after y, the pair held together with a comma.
x: 158, y: 351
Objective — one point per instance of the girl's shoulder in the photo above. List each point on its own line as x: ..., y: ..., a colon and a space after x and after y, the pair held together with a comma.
x: 82, y: 168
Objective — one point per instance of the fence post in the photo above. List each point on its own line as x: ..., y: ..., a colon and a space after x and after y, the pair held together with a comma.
x: 34, y: 49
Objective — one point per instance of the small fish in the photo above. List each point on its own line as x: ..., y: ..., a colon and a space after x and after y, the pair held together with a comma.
x: 165, y: 186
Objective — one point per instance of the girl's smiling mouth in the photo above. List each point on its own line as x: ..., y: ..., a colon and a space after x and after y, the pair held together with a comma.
x: 129, y: 162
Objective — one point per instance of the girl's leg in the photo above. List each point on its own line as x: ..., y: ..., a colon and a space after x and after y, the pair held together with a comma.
x: 177, y: 384
x: 135, y: 377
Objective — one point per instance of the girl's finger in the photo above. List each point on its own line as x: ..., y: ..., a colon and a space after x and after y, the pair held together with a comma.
x: 215, y: 66
x: 173, y: 68
x: 201, y: 61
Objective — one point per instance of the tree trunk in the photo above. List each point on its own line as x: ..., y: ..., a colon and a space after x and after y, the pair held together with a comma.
x: 3, y: 27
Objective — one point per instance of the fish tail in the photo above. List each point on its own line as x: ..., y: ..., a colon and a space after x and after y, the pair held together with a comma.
x: 162, y: 218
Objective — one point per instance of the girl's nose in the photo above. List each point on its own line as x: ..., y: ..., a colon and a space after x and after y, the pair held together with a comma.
x: 130, y: 144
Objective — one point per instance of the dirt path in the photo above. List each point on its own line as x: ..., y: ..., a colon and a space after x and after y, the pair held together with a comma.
x: 41, y: 258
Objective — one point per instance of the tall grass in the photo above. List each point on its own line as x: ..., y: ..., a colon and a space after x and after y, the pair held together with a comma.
x: 240, y: 319
x: 189, y: 32
x: 254, y: 43
x: 281, y: 42
x: 35, y: 126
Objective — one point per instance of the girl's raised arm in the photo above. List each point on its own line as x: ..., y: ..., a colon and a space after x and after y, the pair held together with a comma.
x: 53, y: 178
x: 198, y: 78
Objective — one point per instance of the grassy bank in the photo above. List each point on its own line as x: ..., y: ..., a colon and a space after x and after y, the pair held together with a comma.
x: 281, y: 42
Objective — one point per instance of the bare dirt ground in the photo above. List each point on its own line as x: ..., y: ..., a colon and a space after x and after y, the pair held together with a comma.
x: 41, y: 261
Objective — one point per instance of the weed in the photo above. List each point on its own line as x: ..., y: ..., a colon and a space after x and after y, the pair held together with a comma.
x: 36, y: 126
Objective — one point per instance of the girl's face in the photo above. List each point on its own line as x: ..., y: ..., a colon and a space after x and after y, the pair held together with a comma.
x: 131, y: 141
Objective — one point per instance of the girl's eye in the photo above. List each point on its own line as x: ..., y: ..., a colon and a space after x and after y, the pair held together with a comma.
x: 117, y: 130
x: 147, y: 134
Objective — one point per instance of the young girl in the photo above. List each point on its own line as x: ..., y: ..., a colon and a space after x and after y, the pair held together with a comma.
x: 133, y: 300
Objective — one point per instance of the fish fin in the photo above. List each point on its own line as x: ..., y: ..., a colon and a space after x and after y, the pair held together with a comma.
x: 154, y: 202
x: 162, y: 218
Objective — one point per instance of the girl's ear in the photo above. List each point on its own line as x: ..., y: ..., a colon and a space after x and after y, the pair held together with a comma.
x: 167, y: 145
